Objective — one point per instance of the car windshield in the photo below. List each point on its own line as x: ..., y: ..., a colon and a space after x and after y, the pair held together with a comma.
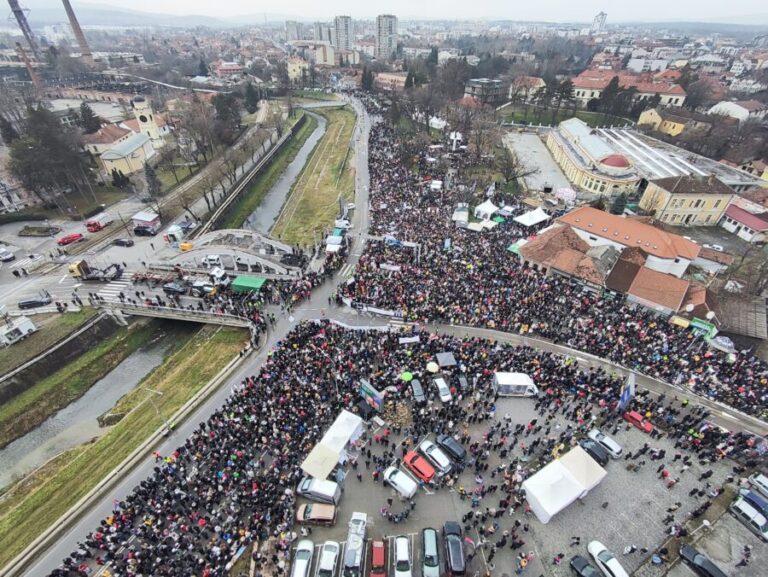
x: 605, y: 556
x: 590, y: 571
x: 325, y: 573
x: 303, y: 555
x: 403, y: 565
x: 430, y: 560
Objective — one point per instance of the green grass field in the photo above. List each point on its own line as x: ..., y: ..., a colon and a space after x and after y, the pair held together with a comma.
x: 43, y: 499
x: 265, y: 180
x: 313, y: 201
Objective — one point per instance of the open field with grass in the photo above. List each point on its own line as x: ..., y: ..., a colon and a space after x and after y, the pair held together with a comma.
x: 314, y: 95
x: 184, y: 373
x: 53, y: 328
x: 26, y: 411
x: 265, y: 180
x: 520, y: 113
x: 329, y: 174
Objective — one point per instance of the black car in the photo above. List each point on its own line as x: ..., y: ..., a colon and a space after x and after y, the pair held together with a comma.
x: 595, y: 450
x: 418, y: 392
x: 123, y: 242
x: 462, y: 382
x: 144, y: 231
x: 174, y: 288
x: 581, y: 567
x: 454, y: 549
x: 452, y: 447
x: 35, y: 302
x: 700, y: 563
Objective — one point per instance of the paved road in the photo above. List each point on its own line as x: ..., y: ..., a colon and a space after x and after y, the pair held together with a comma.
x: 315, y: 308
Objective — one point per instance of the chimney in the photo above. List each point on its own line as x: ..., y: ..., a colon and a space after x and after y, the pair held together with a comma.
x: 85, y: 50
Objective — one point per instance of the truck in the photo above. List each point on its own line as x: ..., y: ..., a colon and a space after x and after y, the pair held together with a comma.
x: 83, y: 271
x: 98, y: 222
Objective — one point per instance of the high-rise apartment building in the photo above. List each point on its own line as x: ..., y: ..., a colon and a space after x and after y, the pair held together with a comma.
x: 294, y: 30
x: 323, y: 32
x: 386, y: 36
x: 343, y: 35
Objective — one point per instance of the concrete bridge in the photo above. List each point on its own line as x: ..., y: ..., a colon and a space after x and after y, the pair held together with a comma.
x: 121, y: 310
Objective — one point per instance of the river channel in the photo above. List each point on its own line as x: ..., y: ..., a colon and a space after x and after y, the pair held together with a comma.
x: 76, y: 423
x: 262, y: 219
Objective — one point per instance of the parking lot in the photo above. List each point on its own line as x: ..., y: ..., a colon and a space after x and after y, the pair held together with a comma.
x: 627, y: 509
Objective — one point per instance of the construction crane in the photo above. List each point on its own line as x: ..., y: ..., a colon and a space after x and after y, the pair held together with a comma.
x: 21, y: 18
x: 33, y: 75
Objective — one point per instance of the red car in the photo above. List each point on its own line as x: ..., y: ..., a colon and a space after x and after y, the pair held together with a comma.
x: 70, y: 238
x: 419, y: 465
x: 378, y: 559
x: 638, y: 421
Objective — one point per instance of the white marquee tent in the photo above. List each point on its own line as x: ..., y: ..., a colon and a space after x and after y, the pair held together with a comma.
x: 562, y: 482
x: 332, y: 448
x: 532, y: 217
x: 486, y: 210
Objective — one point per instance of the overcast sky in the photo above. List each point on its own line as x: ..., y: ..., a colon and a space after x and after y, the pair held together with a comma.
x: 547, y: 10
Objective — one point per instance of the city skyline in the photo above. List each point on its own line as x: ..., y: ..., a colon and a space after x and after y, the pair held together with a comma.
x: 550, y: 11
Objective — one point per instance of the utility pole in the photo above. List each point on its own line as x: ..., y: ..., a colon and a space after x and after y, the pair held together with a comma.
x: 168, y: 427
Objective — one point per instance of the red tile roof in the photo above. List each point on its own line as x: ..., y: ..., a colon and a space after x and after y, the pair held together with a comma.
x: 599, y: 79
x: 658, y: 288
x: 107, y: 134
x: 756, y: 222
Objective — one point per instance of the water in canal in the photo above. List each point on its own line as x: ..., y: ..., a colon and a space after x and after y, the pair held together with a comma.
x: 76, y: 423
x: 262, y: 219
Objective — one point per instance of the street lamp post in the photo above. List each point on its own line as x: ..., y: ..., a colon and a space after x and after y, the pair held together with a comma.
x: 168, y: 427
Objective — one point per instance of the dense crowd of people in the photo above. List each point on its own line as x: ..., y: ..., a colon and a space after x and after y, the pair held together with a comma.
x: 465, y: 277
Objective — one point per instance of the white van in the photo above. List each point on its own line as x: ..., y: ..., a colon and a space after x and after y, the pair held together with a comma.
x: 760, y: 484
x: 400, y: 482
x: 514, y: 385
x: 443, y: 390
x: 354, y: 554
x: 754, y: 520
x: 319, y: 490
x: 402, y: 556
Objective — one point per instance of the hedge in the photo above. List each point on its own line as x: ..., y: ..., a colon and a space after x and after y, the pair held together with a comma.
x: 20, y: 217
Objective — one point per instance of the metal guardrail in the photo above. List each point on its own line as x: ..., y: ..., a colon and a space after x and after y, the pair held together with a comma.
x: 179, y: 314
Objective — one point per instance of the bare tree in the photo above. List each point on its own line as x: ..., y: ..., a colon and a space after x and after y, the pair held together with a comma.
x: 510, y: 167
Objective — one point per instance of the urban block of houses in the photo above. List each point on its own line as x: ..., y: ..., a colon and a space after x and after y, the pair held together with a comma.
x: 687, y: 200
x: 742, y: 110
x: 591, y: 83
x: 224, y: 69
x: 589, y: 162
x: 675, y: 121
x: 746, y: 225
x: 391, y: 81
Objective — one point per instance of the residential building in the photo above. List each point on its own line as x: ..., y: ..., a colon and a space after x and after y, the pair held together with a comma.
x: 590, y: 85
x: 687, y: 200
x: 666, y: 252
x: 674, y: 121
x: 129, y: 155
x: 224, y: 69
x: 324, y: 55
x: 298, y: 69
x: 391, y: 81
x: 640, y: 65
x: 342, y: 33
x: 386, y: 36
x: 485, y: 90
x: 525, y: 88
x: 590, y: 162
x: 746, y: 225
x: 323, y: 32
x: 345, y: 58
x: 742, y: 110
x: 294, y: 30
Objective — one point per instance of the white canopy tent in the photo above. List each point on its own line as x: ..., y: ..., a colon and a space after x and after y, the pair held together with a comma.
x: 532, y: 217
x: 332, y: 448
x: 486, y: 210
x: 562, y: 482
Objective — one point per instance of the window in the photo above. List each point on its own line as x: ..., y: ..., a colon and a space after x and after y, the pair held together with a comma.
x: 593, y: 238
x: 717, y: 203
x: 677, y: 261
x: 709, y: 217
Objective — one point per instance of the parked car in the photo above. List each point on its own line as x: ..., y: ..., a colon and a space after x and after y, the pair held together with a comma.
x: 452, y: 447
x: 400, y: 482
x: 760, y: 483
x: 716, y: 247
x: 174, y: 288
x: 605, y: 560
x: 611, y: 446
x: 320, y: 490
x: 418, y: 392
x: 144, y: 231
x: 699, y: 562
x: 35, y: 302
x: 70, y: 238
x: 462, y: 382
x: 454, y: 549
x: 123, y: 242
x: 302, y: 559
x: 435, y: 455
x: 329, y: 557
x: 595, y: 450
x: 419, y: 466
x: 6, y: 255
x: 402, y: 556
x: 638, y: 420
x: 378, y: 559
x: 581, y: 567
x: 430, y: 553
x: 442, y: 390
x: 316, y: 514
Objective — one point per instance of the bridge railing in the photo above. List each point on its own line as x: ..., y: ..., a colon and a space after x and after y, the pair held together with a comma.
x: 179, y: 313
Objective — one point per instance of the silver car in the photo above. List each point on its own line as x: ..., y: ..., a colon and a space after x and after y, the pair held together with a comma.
x: 610, y: 446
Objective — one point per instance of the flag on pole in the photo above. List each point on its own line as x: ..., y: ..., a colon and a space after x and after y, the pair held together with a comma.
x: 627, y: 392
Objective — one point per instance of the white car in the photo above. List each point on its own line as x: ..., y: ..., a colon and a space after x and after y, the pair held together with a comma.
x: 436, y: 456
x: 302, y: 560
x: 443, y: 391
x: 605, y: 560
x: 716, y: 247
x: 329, y: 556
x: 402, y: 556
x: 400, y: 482
x: 342, y: 223
x: 351, y: 206
x: 611, y: 446
x: 6, y: 255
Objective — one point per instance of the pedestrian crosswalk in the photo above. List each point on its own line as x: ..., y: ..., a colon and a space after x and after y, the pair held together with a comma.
x: 27, y: 262
x: 347, y: 270
x: 111, y: 291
